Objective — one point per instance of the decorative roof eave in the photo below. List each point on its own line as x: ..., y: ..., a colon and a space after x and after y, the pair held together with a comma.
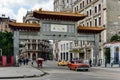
x: 24, y: 26
x: 66, y: 16
x: 86, y: 29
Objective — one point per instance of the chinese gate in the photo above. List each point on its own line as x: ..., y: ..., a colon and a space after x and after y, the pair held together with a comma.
x: 56, y: 26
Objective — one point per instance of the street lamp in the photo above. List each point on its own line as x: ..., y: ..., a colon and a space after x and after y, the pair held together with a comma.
x: 1, y: 52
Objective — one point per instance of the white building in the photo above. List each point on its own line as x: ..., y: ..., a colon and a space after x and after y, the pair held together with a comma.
x: 112, y: 51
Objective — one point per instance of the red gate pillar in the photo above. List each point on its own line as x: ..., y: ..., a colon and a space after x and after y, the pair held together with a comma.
x: 12, y: 60
x: 4, y: 61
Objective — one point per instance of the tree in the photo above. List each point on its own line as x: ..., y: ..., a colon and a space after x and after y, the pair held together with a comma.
x: 115, y: 38
x: 6, y: 43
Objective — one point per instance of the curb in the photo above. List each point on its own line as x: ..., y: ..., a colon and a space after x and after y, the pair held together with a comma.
x: 25, y: 76
x: 105, y: 69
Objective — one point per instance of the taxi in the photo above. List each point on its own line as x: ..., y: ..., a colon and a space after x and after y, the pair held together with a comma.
x: 62, y: 63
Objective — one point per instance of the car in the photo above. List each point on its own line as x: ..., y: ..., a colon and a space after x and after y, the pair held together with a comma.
x: 62, y: 63
x: 78, y: 66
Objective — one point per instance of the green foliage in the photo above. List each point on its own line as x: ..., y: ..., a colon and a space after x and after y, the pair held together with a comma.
x: 6, y: 43
x: 76, y: 50
x: 115, y: 38
x: 107, y: 55
x: 51, y: 56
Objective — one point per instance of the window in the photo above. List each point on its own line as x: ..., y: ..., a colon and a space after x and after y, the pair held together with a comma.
x: 87, y: 13
x: 77, y: 8
x: 99, y: 37
x: 5, y: 26
x: 95, y: 22
x: 67, y: 46
x: 83, y: 4
x: 87, y: 24
x: 90, y: 12
x: 90, y: 23
x: 99, y: 7
x: 28, y: 46
x: 90, y: 0
x: 80, y: 6
x: 33, y: 46
x: 96, y: 9
x: 99, y: 21
x: 64, y: 47
x: 67, y: 1
x: 87, y: 1
x: 33, y: 40
x: 61, y: 47
x: 71, y: 45
x: 83, y: 24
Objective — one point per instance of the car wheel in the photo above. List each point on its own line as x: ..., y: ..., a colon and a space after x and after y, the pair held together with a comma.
x: 86, y: 70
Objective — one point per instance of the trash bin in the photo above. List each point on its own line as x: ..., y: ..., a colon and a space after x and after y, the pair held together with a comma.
x: 39, y: 62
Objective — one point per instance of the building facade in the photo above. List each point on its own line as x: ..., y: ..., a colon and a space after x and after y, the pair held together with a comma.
x: 100, y: 13
x: 34, y: 48
x: 4, y: 23
x: 63, y: 5
x: 66, y: 48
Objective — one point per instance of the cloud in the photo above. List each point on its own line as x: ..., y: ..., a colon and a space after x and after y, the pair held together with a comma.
x: 16, y: 9
x: 21, y: 13
x: 8, y: 12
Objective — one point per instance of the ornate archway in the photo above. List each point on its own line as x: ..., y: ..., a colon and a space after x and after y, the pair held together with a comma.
x: 56, y: 26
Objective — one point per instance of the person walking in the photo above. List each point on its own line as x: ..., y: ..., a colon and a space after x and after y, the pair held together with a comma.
x: 26, y: 61
x: 119, y: 63
x: 90, y: 62
x: 112, y: 62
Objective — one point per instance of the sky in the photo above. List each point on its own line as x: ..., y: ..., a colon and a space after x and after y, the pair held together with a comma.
x: 16, y: 9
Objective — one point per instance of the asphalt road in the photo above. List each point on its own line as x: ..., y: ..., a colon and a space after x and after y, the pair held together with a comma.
x: 63, y: 73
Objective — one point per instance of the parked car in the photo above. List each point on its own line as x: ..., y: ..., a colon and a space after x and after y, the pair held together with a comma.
x: 78, y: 65
x: 62, y: 63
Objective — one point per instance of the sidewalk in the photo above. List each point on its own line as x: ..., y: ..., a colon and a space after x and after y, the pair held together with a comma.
x: 24, y: 71
x: 115, y: 68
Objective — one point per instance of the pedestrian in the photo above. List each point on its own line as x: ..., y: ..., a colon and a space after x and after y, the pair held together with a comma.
x: 105, y: 63
x: 19, y: 62
x: 119, y: 63
x: 112, y: 62
x: 90, y: 62
x: 26, y: 61
x: 31, y: 61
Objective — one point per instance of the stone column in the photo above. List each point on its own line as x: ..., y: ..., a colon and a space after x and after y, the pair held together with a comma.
x: 119, y: 55
x: 112, y: 51
x: 92, y: 54
x: 16, y: 47
x: 96, y: 49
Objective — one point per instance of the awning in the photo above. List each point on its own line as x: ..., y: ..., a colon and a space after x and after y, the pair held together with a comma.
x: 76, y: 50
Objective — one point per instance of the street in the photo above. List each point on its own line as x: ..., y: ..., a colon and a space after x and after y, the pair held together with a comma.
x: 63, y: 73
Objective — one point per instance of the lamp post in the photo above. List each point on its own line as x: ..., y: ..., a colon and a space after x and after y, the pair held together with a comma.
x: 85, y: 52
x: 1, y: 52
